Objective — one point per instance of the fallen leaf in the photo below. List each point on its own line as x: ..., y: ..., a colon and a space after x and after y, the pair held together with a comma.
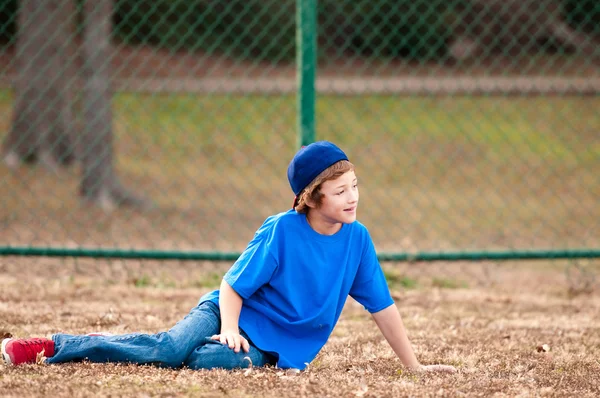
x: 543, y: 348
x: 40, y: 359
x: 250, y: 367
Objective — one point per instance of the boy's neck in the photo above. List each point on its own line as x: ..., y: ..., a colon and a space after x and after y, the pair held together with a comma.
x: 321, y: 226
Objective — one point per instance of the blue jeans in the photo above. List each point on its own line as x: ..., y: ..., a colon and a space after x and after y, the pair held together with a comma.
x: 187, y: 344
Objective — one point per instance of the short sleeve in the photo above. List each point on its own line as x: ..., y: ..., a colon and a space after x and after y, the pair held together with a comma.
x: 253, y: 268
x: 370, y: 287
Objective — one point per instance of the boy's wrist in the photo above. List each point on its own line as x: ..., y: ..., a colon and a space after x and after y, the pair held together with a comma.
x: 230, y: 329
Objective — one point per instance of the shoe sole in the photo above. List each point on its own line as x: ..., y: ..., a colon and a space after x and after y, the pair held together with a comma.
x: 5, y: 356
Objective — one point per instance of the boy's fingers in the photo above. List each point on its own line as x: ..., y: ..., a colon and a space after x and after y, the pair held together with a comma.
x: 232, y: 341
x: 245, y: 345
x: 218, y: 337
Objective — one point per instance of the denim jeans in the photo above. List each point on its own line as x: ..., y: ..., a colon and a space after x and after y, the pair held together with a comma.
x: 187, y: 344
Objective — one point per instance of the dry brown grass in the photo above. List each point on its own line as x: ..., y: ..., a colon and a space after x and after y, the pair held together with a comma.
x: 436, y: 174
x: 486, y: 319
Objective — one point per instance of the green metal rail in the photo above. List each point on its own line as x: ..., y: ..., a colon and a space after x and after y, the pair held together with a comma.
x: 232, y: 256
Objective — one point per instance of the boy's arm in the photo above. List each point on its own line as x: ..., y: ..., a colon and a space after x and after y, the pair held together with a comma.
x: 390, y: 323
x: 230, y: 304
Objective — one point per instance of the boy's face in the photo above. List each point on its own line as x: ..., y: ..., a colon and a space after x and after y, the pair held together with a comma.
x: 340, y: 200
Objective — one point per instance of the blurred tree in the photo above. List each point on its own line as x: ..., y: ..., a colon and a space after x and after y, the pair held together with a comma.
x: 99, y: 183
x: 43, y: 119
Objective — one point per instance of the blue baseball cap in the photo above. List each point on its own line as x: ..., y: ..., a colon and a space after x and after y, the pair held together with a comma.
x: 309, y: 162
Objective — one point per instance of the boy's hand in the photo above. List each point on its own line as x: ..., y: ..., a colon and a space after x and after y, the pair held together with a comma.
x: 435, y: 369
x: 233, y: 339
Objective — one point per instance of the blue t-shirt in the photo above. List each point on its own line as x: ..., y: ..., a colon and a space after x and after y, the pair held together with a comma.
x: 294, y: 283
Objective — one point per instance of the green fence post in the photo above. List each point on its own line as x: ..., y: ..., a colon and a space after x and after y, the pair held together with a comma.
x: 306, y: 66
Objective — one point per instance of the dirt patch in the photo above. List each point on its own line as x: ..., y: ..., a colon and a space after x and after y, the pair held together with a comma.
x: 489, y: 325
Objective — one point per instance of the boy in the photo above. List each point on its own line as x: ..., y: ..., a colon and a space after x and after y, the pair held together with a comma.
x: 280, y: 300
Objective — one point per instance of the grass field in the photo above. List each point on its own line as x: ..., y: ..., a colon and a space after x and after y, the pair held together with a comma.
x: 488, y: 320
x: 435, y: 173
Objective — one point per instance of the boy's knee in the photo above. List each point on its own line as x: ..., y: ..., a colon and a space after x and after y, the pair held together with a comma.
x: 214, y: 355
x: 168, y: 351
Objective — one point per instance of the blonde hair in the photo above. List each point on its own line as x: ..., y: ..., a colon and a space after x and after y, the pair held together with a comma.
x: 313, y: 191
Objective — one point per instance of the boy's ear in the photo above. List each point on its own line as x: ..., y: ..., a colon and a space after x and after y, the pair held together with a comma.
x: 309, y: 202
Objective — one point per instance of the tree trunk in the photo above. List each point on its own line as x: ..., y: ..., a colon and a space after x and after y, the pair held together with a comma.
x: 42, y: 119
x: 99, y: 183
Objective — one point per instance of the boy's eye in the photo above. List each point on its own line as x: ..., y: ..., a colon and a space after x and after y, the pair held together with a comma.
x: 339, y: 193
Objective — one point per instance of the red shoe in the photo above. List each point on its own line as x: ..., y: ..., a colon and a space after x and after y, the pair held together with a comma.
x: 18, y: 351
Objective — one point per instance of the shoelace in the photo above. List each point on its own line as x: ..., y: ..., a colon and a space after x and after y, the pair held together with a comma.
x: 32, y: 346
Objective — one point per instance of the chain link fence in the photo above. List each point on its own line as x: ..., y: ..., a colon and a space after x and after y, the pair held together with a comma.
x: 168, y: 125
